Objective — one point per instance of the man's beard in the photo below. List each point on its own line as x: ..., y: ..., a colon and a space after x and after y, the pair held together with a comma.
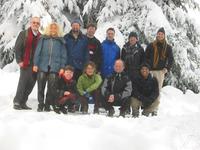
x: 75, y: 31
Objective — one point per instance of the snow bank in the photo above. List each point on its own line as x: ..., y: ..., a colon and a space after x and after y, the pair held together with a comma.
x: 177, y: 127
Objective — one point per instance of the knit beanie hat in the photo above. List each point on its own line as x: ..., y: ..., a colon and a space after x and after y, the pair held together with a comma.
x: 133, y: 34
x: 161, y: 30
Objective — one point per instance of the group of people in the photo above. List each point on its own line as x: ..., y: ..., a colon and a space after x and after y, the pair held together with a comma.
x: 78, y: 69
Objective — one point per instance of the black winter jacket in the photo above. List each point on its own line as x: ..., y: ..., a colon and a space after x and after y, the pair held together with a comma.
x: 95, y: 52
x: 133, y: 57
x: 145, y: 90
x: 66, y: 86
x: 118, y: 84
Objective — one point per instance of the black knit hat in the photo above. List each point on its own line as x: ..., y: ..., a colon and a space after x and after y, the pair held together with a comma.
x: 161, y: 30
x: 145, y: 65
x: 133, y: 34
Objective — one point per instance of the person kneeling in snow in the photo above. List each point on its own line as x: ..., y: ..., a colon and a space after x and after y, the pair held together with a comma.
x: 88, y: 87
x: 67, y: 91
x: 117, y: 89
x: 145, y: 93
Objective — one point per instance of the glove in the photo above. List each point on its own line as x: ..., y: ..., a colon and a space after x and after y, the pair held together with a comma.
x: 90, y: 100
x: 86, y: 94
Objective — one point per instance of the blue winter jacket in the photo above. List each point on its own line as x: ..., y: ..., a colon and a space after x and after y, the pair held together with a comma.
x: 78, y: 53
x: 50, y: 54
x: 110, y: 52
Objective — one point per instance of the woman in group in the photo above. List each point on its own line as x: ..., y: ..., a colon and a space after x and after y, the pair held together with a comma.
x: 49, y: 60
x: 88, y: 87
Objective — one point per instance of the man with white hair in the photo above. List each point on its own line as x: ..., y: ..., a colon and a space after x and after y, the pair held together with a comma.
x: 25, y: 46
x: 117, y: 89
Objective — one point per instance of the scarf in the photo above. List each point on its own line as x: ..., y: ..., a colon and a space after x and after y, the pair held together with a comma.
x: 30, y: 46
x: 157, y: 54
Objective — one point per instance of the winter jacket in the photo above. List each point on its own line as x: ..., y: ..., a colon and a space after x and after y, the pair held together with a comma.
x: 51, y: 54
x: 64, y: 85
x: 77, y: 49
x: 110, y: 53
x: 88, y: 84
x: 162, y: 63
x: 118, y: 84
x: 145, y: 90
x: 20, y: 45
x: 133, y: 57
x: 95, y: 52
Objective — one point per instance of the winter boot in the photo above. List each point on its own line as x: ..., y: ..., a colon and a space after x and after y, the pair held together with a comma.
x: 111, y: 112
x: 145, y: 114
x: 24, y: 106
x: 154, y: 113
x: 135, y: 113
x: 47, y: 108
x: 63, y: 110
x: 17, y: 106
x: 40, y: 107
x: 96, y: 111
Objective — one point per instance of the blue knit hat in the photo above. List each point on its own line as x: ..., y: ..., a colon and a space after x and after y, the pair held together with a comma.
x: 76, y: 21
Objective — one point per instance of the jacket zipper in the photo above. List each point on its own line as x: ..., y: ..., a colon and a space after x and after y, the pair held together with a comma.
x: 50, y: 51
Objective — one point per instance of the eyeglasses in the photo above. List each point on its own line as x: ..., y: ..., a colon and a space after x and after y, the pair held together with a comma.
x: 37, y: 23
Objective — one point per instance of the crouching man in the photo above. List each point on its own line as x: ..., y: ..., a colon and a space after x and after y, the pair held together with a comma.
x: 67, y: 91
x: 145, y: 93
x: 117, y: 89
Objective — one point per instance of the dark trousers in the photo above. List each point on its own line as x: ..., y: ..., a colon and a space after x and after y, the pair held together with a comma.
x: 50, y: 79
x: 25, y: 86
x: 84, y: 101
x: 123, y: 103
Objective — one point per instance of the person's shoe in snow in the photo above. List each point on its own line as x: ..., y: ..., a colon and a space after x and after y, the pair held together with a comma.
x: 145, y: 114
x: 154, y: 113
x: 63, y: 110
x: 111, y: 112
x: 85, y: 112
x: 96, y: 111
x: 135, y: 113
x: 47, y: 108
x: 17, y: 106
x: 24, y: 106
x: 40, y: 107
x: 122, y: 113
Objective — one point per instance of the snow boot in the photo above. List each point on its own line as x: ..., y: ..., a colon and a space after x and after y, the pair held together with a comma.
x: 111, y: 112
x: 40, y: 107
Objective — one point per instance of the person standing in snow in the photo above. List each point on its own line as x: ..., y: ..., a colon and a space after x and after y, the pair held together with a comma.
x: 159, y: 56
x: 77, y: 48
x: 88, y: 87
x: 24, y: 51
x: 117, y: 89
x: 49, y: 61
x: 110, y: 53
x: 133, y: 55
x: 145, y: 93
x: 94, y: 47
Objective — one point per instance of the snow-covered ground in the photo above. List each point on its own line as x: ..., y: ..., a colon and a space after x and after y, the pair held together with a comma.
x: 177, y: 126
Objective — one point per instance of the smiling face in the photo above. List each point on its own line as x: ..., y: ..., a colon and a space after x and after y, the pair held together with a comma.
x: 119, y: 66
x: 35, y: 23
x: 133, y: 40
x: 91, y: 31
x: 53, y: 30
x: 144, y: 71
x: 75, y: 27
x: 110, y: 35
x: 68, y: 74
x: 90, y: 70
x: 160, y: 36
